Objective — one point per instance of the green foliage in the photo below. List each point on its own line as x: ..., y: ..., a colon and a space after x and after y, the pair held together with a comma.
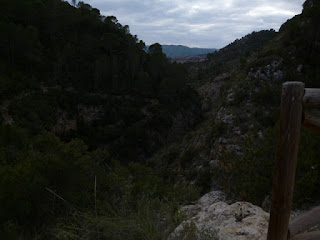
x: 12, y: 140
x: 55, y: 43
x: 262, y: 60
x: 48, y: 182
x: 249, y: 176
x: 155, y: 48
x: 242, y: 47
x: 44, y: 163
x: 178, y: 165
x: 144, y: 221
x: 233, y: 56
x: 188, y: 156
x: 59, y: 61
x: 36, y: 112
x: 139, y: 206
x: 300, y: 45
x: 160, y: 119
x: 217, y: 129
x: 266, y: 94
x: 308, y: 174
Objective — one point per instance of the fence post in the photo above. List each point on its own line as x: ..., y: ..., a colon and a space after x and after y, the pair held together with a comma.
x: 285, y: 168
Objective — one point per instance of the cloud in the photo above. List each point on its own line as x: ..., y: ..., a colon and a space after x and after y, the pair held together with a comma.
x: 200, y: 23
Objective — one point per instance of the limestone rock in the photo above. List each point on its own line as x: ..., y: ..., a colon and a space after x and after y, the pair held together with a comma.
x: 299, y: 68
x: 214, y: 217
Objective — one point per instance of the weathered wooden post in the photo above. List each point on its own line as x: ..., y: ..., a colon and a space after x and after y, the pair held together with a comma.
x: 285, y: 168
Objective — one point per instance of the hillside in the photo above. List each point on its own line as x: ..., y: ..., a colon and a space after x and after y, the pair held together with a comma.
x: 229, y: 58
x: 174, y: 51
x: 82, y: 103
x: 234, y: 147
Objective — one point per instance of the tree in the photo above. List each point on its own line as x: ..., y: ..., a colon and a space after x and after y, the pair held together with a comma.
x: 155, y: 48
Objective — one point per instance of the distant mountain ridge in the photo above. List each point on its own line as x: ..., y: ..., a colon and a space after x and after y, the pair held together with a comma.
x: 173, y: 51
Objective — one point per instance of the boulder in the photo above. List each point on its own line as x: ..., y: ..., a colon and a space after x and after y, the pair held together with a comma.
x: 212, y: 216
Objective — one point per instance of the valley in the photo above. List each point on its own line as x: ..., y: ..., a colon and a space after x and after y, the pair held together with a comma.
x: 100, y: 139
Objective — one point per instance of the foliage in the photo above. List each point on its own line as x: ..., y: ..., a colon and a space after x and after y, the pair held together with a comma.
x: 73, y: 47
x: 249, y: 177
x: 50, y: 182
x: 44, y: 163
x: 231, y: 57
x: 243, y: 46
x: 145, y: 221
x: 67, y: 69
x: 139, y: 206
x: 308, y: 174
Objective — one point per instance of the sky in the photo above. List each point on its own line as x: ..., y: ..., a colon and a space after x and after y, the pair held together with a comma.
x: 197, y: 23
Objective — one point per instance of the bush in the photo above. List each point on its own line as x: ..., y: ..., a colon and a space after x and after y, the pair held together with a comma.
x: 44, y: 166
x: 134, y: 204
x: 249, y: 177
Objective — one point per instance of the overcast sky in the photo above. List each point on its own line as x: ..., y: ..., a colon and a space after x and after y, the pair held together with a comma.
x: 198, y: 23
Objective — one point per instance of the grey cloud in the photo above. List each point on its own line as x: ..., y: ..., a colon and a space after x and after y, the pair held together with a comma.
x: 201, y: 23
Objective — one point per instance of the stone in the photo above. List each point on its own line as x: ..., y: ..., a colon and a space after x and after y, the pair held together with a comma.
x: 278, y: 75
x: 266, y: 204
x: 211, y: 197
x: 299, y: 68
x: 260, y: 135
x: 230, y: 97
x: 214, y: 163
x: 223, y: 140
x: 236, y: 221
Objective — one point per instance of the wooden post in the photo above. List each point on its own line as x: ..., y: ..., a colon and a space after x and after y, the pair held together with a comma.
x: 285, y: 168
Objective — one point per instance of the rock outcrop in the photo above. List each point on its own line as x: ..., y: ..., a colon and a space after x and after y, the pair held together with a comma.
x: 213, y: 216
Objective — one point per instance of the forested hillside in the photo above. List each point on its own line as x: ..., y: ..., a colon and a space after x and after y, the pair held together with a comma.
x: 82, y: 108
x: 229, y: 58
x: 234, y: 148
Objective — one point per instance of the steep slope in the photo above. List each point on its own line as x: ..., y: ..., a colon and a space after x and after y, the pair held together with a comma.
x: 95, y: 83
x: 199, y: 152
x: 234, y: 148
x: 230, y: 57
x: 82, y: 103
